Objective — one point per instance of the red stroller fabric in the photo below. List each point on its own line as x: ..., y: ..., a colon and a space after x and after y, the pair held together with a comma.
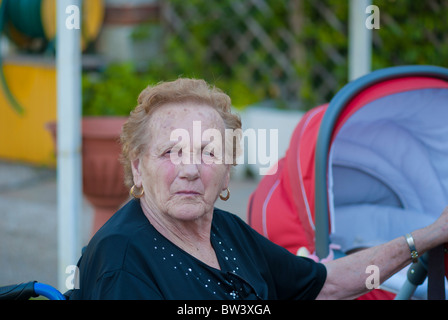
x: 282, y: 206
x: 274, y: 206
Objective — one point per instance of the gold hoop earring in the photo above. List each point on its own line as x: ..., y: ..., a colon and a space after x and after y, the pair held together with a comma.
x: 226, y: 197
x: 136, y: 196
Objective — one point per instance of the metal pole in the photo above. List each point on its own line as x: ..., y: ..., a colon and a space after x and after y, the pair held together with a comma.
x: 360, y: 40
x: 69, y: 171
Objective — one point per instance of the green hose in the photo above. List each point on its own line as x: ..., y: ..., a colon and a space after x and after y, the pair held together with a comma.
x: 25, y: 16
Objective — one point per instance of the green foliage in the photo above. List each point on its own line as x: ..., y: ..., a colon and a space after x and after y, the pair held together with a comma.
x: 411, y: 32
x: 238, y: 75
x: 324, y: 37
x: 114, y: 91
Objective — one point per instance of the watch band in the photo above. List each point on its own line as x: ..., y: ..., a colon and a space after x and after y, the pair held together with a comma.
x: 411, y: 244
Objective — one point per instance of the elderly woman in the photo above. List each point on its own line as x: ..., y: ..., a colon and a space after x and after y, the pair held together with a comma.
x: 170, y: 242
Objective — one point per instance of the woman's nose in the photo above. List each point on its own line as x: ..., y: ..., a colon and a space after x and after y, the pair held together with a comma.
x: 189, y: 171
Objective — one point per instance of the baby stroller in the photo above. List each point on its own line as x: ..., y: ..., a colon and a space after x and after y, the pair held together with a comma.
x: 370, y: 166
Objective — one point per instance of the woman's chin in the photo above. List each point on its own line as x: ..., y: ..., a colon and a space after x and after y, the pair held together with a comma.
x: 189, y: 211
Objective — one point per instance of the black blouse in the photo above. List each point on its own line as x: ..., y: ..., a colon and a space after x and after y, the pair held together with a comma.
x: 129, y: 259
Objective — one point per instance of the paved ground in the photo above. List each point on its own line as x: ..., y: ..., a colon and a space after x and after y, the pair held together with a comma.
x: 28, y: 221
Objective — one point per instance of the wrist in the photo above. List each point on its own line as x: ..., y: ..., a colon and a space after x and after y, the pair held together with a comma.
x: 427, y: 238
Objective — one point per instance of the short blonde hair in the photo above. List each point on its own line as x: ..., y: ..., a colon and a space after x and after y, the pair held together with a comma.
x: 134, y: 133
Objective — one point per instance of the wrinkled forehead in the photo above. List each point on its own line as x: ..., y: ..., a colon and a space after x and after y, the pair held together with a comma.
x: 192, y: 126
x: 187, y: 116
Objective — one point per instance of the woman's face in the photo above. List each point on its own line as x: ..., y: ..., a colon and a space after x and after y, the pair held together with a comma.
x: 183, y: 190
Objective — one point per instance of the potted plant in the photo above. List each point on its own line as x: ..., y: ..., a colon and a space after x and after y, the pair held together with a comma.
x: 108, y: 97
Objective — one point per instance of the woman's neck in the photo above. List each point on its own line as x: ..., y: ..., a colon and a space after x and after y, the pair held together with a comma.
x: 192, y: 236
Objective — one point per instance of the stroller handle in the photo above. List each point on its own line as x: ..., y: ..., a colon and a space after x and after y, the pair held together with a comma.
x: 32, y: 289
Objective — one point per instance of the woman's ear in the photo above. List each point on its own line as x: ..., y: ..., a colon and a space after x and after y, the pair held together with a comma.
x: 136, y: 173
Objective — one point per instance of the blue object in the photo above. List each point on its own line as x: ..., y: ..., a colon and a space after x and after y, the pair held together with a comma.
x: 48, y: 291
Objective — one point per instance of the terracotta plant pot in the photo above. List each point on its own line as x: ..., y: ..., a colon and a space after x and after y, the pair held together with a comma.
x: 102, y: 173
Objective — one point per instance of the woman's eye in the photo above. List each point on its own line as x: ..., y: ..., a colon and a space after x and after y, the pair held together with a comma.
x: 170, y: 151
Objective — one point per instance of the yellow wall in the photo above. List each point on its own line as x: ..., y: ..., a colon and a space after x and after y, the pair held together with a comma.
x: 24, y: 137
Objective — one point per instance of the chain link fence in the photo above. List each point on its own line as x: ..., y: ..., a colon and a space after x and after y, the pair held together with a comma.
x: 295, y: 52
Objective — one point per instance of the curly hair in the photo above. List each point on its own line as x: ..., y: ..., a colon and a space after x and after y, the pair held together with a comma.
x: 134, y: 134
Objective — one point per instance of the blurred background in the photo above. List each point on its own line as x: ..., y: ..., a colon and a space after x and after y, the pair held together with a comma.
x: 276, y: 59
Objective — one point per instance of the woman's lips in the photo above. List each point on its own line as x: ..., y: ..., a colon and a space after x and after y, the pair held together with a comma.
x: 188, y: 192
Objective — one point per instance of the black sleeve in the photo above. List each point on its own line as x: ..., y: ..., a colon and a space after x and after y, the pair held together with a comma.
x: 122, y: 285
x: 103, y: 273
x: 294, y: 277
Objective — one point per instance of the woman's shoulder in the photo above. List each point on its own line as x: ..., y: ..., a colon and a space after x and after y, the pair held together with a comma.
x: 124, y: 222
x: 121, y: 231
x: 231, y: 223
x: 221, y: 216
